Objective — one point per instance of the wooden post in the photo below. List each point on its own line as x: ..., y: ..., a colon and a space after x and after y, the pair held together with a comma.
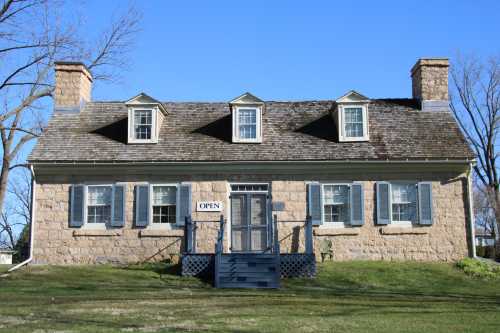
x: 193, y: 240
x: 275, y: 234
x: 218, y: 251
x: 188, y: 233
x: 309, y: 235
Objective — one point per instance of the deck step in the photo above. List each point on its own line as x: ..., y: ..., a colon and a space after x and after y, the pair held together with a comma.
x: 239, y: 270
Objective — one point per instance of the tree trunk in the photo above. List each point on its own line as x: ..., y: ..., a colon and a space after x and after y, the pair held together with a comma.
x: 497, y: 223
x: 4, y: 177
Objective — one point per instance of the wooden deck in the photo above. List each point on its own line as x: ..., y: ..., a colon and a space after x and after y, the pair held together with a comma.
x: 247, y: 269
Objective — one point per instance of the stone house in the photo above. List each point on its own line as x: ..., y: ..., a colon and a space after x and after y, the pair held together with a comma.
x: 377, y: 179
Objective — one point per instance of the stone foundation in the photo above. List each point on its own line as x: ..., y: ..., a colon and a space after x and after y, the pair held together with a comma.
x: 445, y: 240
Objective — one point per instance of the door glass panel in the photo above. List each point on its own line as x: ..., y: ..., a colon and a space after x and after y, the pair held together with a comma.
x: 238, y: 210
x: 258, y: 213
x: 239, y: 239
x: 259, y: 238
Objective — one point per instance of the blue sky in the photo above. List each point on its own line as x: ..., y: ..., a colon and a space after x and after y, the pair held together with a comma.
x: 292, y: 50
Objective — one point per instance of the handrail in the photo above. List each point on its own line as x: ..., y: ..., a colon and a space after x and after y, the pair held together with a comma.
x: 309, y: 235
x: 190, y: 235
x: 218, y: 251
x: 276, y: 241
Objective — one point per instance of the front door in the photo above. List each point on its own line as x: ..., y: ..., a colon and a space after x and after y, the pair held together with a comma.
x: 249, y: 222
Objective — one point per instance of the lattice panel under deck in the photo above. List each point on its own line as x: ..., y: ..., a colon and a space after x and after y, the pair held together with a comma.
x: 298, y: 265
x: 198, y: 265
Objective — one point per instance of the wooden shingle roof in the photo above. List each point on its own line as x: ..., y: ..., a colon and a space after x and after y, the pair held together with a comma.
x: 291, y: 131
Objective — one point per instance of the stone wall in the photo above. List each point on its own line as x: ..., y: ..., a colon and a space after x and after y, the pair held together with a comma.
x: 445, y: 240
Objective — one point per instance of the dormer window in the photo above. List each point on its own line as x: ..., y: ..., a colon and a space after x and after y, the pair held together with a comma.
x: 145, y: 116
x: 143, y: 124
x: 248, y: 125
x: 247, y: 119
x: 352, y: 117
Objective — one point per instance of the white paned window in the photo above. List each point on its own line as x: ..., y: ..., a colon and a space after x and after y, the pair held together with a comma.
x: 143, y: 124
x: 99, y: 204
x: 404, y: 203
x: 335, y: 204
x: 353, y: 122
x: 247, y: 124
x: 164, y: 204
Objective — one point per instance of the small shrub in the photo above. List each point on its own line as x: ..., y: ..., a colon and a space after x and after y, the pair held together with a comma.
x: 479, y: 269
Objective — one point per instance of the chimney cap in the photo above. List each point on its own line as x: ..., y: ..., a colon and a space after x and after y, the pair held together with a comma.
x: 73, y: 66
x: 431, y: 61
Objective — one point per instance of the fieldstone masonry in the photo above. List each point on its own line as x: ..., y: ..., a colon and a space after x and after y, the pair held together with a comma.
x: 430, y: 79
x: 445, y: 240
x: 73, y: 85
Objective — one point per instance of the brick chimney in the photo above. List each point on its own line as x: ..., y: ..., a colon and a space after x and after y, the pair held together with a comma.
x: 430, y: 83
x: 73, y: 86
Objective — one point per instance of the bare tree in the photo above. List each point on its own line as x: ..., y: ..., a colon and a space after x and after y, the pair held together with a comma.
x: 483, y: 211
x: 33, y: 35
x: 476, y: 105
x: 17, y: 214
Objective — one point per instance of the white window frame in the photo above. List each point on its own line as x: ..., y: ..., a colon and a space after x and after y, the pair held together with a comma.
x: 154, y: 124
x: 236, y: 124
x: 405, y: 223
x: 168, y: 226
x: 341, y: 122
x: 88, y: 225
x: 344, y: 224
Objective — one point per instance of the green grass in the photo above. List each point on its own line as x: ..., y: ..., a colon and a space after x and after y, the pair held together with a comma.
x: 4, y: 268
x: 345, y: 297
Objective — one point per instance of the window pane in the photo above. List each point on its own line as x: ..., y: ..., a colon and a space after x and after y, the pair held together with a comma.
x: 164, y: 195
x: 247, y: 116
x: 247, y: 123
x: 353, y: 118
x: 336, y: 203
x: 335, y: 194
x: 404, y: 202
x: 248, y: 131
x: 98, y: 214
x: 164, y: 214
x: 143, y: 124
x: 164, y: 204
x: 99, y: 195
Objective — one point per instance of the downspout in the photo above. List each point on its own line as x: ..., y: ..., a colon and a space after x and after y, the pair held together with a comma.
x: 471, y: 210
x: 32, y: 222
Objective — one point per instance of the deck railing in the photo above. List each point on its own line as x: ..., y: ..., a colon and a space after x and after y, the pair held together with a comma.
x: 219, y: 247
x: 309, y: 235
x: 190, y: 228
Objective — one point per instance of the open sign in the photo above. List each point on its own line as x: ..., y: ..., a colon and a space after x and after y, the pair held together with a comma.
x: 209, y: 206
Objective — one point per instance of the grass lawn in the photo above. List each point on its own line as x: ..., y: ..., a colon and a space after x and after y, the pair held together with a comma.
x: 4, y: 268
x: 345, y: 297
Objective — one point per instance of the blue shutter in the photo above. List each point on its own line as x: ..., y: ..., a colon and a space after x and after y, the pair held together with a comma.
x: 314, y: 203
x: 425, y: 203
x: 77, y: 206
x: 141, y: 205
x: 118, y: 219
x: 384, y: 206
x: 357, y: 204
x: 184, y: 204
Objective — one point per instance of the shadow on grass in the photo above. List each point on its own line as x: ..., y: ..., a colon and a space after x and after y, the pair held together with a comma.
x: 161, y: 268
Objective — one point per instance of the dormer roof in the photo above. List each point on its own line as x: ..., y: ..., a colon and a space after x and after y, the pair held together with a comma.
x: 246, y: 99
x: 352, y: 97
x: 144, y: 99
